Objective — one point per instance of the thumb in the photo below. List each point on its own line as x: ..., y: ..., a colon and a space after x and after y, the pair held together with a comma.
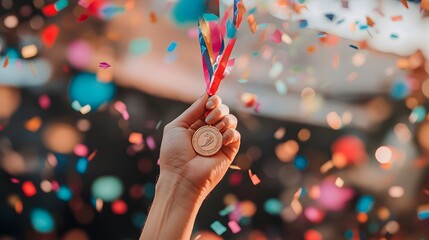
x: 193, y: 113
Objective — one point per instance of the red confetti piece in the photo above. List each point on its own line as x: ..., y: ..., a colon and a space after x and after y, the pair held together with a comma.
x: 396, y: 18
x: 255, y: 179
x: 82, y: 18
x: 50, y: 10
x: 405, y: 3
x: 277, y: 36
x: 29, y: 189
x: 119, y: 207
x: 50, y: 34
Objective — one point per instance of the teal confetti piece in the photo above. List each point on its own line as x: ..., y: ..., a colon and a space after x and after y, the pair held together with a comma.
x: 61, y: 4
x: 227, y: 210
x: 394, y: 36
x: 81, y: 165
x: 218, y: 228
x: 231, y: 30
x: 140, y: 46
x: 172, y: 46
x: 210, y: 17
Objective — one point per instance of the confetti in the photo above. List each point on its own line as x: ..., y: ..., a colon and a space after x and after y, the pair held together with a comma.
x: 49, y: 10
x: 227, y: 210
x: 6, y: 61
x: 424, y: 4
x: 396, y: 18
x: 276, y: 37
x: 104, y: 65
x: 251, y: 21
x: 81, y: 165
x: 235, y: 167
x: 42, y: 220
x: 140, y: 46
x: 365, y: 204
x: 171, y: 47
x: 119, y: 207
x: 64, y: 193
x: 135, y: 138
x: 44, y: 102
x: 49, y: 35
x: 233, y: 225
x: 29, y: 189
x: 82, y: 18
x: 231, y: 30
x: 80, y: 150
x: 370, y: 22
x: 354, y: 47
x: 394, y: 36
x: 33, y: 124
x: 150, y: 143
x: 61, y: 4
x: 275, y: 70
x: 92, y: 155
x: 122, y: 109
x: 218, y: 228
x: 405, y: 3
x: 423, y: 212
x: 303, y: 23
x: 330, y: 16
x: 153, y: 18
x: 255, y: 179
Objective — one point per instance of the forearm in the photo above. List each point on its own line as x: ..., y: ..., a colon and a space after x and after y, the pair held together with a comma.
x: 173, y: 211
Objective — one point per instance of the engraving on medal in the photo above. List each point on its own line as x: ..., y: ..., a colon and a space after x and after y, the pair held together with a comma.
x: 207, y: 141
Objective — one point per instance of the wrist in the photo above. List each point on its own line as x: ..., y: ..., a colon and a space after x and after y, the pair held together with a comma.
x: 172, y: 187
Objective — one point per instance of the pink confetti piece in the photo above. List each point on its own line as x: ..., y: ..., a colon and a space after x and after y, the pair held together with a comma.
x: 81, y: 150
x: 104, y: 65
x: 193, y: 33
x: 255, y: 179
x: 257, y: 107
x: 150, y: 143
x: 233, y: 225
x: 44, y: 102
x: 122, y: 109
x: 15, y: 180
x: 276, y: 37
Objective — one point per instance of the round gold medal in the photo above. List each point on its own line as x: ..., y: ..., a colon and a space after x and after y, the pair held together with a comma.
x: 207, y: 141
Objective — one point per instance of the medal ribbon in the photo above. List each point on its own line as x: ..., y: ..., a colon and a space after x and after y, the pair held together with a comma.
x: 215, y: 56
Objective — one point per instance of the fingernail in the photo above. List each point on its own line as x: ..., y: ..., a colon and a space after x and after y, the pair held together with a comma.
x: 220, y: 126
x: 224, y: 138
x: 209, y: 118
x: 210, y: 104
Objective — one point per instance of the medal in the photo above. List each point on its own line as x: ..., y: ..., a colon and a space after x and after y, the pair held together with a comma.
x: 207, y: 140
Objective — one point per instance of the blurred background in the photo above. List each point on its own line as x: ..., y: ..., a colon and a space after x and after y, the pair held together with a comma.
x: 331, y: 98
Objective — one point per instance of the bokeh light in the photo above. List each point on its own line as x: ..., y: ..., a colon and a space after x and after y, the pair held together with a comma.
x: 42, y: 220
x: 107, y: 188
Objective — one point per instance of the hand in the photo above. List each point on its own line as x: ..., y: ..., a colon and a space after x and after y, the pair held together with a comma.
x: 178, y: 160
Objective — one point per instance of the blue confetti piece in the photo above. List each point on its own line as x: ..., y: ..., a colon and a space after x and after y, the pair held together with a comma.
x: 64, y: 193
x: 423, y: 215
x: 399, y: 90
x: 231, y: 30
x: 218, y: 228
x: 303, y: 23
x: 262, y: 26
x: 418, y: 114
x: 330, y: 16
x: 61, y: 4
x: 300, y: 163
x: 81, y: 165
x: 340, y: 21
x: 322, y: 35
x: 172, y: 46
x: 365, y: 204
x: 42, y: 220
x: 354, y: 47
x: 363, y: 27
x: 111, y: 11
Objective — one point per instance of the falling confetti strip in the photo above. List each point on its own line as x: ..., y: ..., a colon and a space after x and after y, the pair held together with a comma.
x: 172, y: 46
x: 255, y: 179
x: 104, y: 65
x: 218, y: 228
x: 6, y: 61
x: 233, y: 225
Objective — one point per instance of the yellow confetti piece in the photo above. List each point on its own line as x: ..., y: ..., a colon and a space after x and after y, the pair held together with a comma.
x: 235, y: 167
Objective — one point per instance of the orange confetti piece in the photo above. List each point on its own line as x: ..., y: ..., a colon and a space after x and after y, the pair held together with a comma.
x: 33, y: 124
x: 252, y: 23
x: 255, y: 179
x: 405, y: 3
x: 92, y: 155
x: 311, y: 49
x: 369, y: 21
x: 6, y: 61
x: 153, y: 17
x: 425, y: 4
x: 135, y: 138
x: 396, y: 18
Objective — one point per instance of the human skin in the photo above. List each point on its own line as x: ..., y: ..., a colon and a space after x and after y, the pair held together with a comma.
x: 186, y: 178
